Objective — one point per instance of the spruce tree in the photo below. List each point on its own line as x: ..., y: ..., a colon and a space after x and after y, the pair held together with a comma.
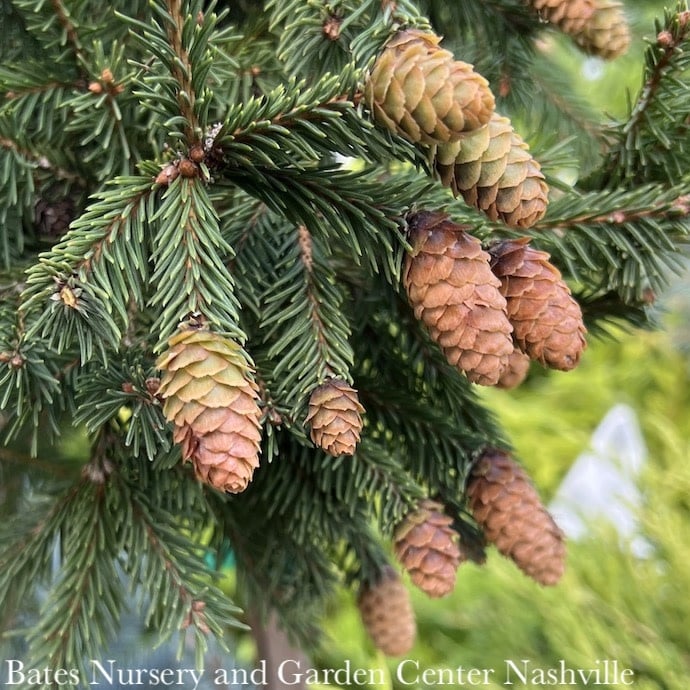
x: 264, y: 255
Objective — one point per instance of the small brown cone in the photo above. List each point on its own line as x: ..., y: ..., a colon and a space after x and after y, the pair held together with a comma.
x: 213, y: 404
x: 507, y: 507
x: 419, y: 90
x: 387, y: 614
x: 454, y: 293
x: 570, y: 16
x: 495, y: 173
x: 516, y: 371
x: 335, y: 417
x: 427, y: 547
x: 607, y: 34
x: 547, y: 320
x: 53, y: 217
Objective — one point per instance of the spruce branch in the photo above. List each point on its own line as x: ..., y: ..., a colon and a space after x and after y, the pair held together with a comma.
x: 175, y: 86
x: 173, y: 574
x: 182, y: 70
x: 189, y: 255
x: 68, y: 27
x: 73, y: 289
x: 303, y: 326
x: 41, y: 160
x: 643, y: 146
x: 83, y: 606
x: 293, y: 125
x: 618, y: 240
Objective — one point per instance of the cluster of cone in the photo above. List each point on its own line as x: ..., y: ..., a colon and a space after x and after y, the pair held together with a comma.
x: 419, y: 91
x: 490, y: 312
x: 598, y: 27
x: 213, y: 403
x: 504, y: 503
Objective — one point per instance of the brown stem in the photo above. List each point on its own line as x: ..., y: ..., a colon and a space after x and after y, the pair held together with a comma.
x: 70, y: 30
x: 182, y: 72
x: 652, y: 85
x: 305, y: 250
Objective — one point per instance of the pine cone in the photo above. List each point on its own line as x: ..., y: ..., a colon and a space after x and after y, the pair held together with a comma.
x: 427, y: 547
x: 607, y: 33
x: 547, y: 320
x: 387, y: 614
x: 335, y: 417
x: 53, y: 217
x: 213, y: 404
x: 495, y: 173
x: 506, y: 505
x: 570, y: 16
x: 516, y: 371
x: 452, y: 290
x: 419, y: 91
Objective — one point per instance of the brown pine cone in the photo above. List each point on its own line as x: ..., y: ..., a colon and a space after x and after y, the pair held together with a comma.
x: 53, y: 217
x: 507, y: 507
x: 387, y: 614
x: 419, y: 90
x: 451, y: 287
x: 427, y: 547
x: 213, y: 403
x: 547, y: 320
x: 607, y: 34
x: 570, y: 16
x: 495, y: 173
x: 516, y: 371
x: 335, y: 417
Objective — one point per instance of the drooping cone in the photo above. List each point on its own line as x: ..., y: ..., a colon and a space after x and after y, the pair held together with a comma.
x: 335, y: 417
x: 607, y: 33
x: 494, y: 171
x: 427, y: 547
x: 516, y: 371
x: 420, y: 91
x: 213, y: 403
x: 451, y: 287
x: 547, y: 320
x: 507, y: 507
x: 387, y: 614
x: 570, y: 16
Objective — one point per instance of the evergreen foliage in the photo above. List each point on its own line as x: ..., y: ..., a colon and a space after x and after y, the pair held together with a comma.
x: 220, y: 164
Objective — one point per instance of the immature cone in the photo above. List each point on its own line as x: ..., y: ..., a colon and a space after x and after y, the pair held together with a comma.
x: 419, y: 90
x: 335, y: 417
x: 387, y: 614
x: 494, y: 172
x: 427, y: 547
x: 451, y: 287
x: 547, y: 320
x: 506, y: 505
x: 212, y: 402
x: 607, y: 33
x: 516, y: 371
x: 570, y: 16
